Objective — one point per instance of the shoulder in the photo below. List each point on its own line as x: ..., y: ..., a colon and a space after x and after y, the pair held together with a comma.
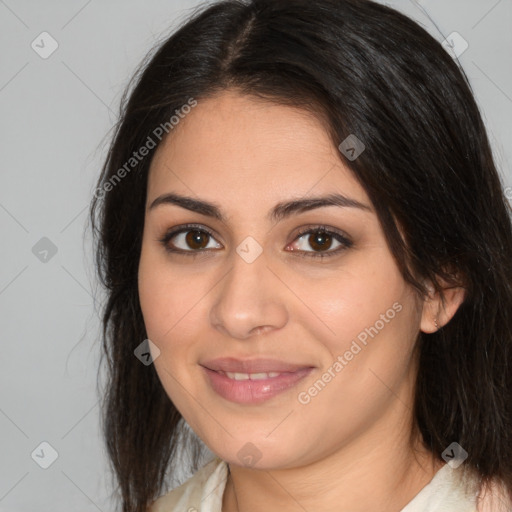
x: 202, y: 492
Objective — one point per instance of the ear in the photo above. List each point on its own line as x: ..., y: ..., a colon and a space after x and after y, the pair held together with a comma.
x: 434, y: 315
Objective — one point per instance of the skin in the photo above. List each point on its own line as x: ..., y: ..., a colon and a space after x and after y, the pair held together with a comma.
x: 246, y: 155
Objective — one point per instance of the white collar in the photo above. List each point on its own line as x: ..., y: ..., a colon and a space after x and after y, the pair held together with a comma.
x: 450, y: 490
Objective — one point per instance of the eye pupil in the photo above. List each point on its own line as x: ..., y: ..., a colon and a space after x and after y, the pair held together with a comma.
x: 196, y: 239
x: 320, y: 240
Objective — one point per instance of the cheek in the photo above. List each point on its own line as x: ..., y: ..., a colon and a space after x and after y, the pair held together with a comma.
x: 167, y: 306
x: 154, y: 301
x: 167, y: 298
x: 367, y: 358
x: 345, y: 307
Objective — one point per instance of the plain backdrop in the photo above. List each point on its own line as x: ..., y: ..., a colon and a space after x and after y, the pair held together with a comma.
x: 56, y: 114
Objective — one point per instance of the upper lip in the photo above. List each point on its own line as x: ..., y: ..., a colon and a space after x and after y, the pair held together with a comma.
x: 231, y: 364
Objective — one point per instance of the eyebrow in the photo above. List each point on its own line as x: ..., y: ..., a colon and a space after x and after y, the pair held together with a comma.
x: 279, y: 212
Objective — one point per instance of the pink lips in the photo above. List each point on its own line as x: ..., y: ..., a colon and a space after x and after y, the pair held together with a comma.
x: 228, y: 378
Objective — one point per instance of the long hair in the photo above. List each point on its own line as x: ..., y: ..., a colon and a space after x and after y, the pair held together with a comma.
x: 428, y: 169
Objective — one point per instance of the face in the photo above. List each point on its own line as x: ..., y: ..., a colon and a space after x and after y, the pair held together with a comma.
x: 281, y: 329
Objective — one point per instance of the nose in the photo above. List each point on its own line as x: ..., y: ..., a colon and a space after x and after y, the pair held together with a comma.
x: 249, y: 301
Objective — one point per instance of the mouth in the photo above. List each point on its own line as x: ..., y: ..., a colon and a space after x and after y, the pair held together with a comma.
x: 252, y: 381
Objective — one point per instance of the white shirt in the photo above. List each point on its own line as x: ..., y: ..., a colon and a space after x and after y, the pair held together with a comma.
x: 449, y: 491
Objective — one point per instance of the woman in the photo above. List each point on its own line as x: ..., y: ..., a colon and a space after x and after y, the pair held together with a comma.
x: 307, y: 253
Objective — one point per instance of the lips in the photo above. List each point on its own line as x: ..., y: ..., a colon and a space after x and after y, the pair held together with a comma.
x: 252, y: 381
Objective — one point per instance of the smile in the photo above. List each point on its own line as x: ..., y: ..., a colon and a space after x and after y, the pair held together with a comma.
x: 252, y: 381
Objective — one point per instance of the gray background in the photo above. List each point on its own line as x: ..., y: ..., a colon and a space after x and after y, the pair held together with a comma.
x: 56, y: 114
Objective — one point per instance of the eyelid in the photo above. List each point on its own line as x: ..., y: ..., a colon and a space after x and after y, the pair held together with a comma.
x: 342, y: 238
x: 339, y: 235
x: 324, y: 229
x: 171, y: 233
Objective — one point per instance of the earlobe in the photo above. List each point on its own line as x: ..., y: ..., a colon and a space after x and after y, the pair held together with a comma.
x: 434, y: 315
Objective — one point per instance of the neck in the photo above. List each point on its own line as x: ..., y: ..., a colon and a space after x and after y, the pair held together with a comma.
x: 339, y: 483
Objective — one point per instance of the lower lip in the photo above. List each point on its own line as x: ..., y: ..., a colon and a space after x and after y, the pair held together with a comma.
x: 253, y: 391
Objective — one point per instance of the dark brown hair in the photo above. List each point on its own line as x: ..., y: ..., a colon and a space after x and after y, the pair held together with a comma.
x: 427, y: 168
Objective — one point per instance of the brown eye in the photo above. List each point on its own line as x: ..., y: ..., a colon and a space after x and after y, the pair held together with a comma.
x: 320, y: 240
x: 196, y: 239
x: 189, y: 240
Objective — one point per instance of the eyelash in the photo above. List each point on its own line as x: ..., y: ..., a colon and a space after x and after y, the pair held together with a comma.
x: 338, y: 236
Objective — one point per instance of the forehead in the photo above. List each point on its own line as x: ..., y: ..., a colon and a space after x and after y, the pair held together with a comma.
x: 241, y: 148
